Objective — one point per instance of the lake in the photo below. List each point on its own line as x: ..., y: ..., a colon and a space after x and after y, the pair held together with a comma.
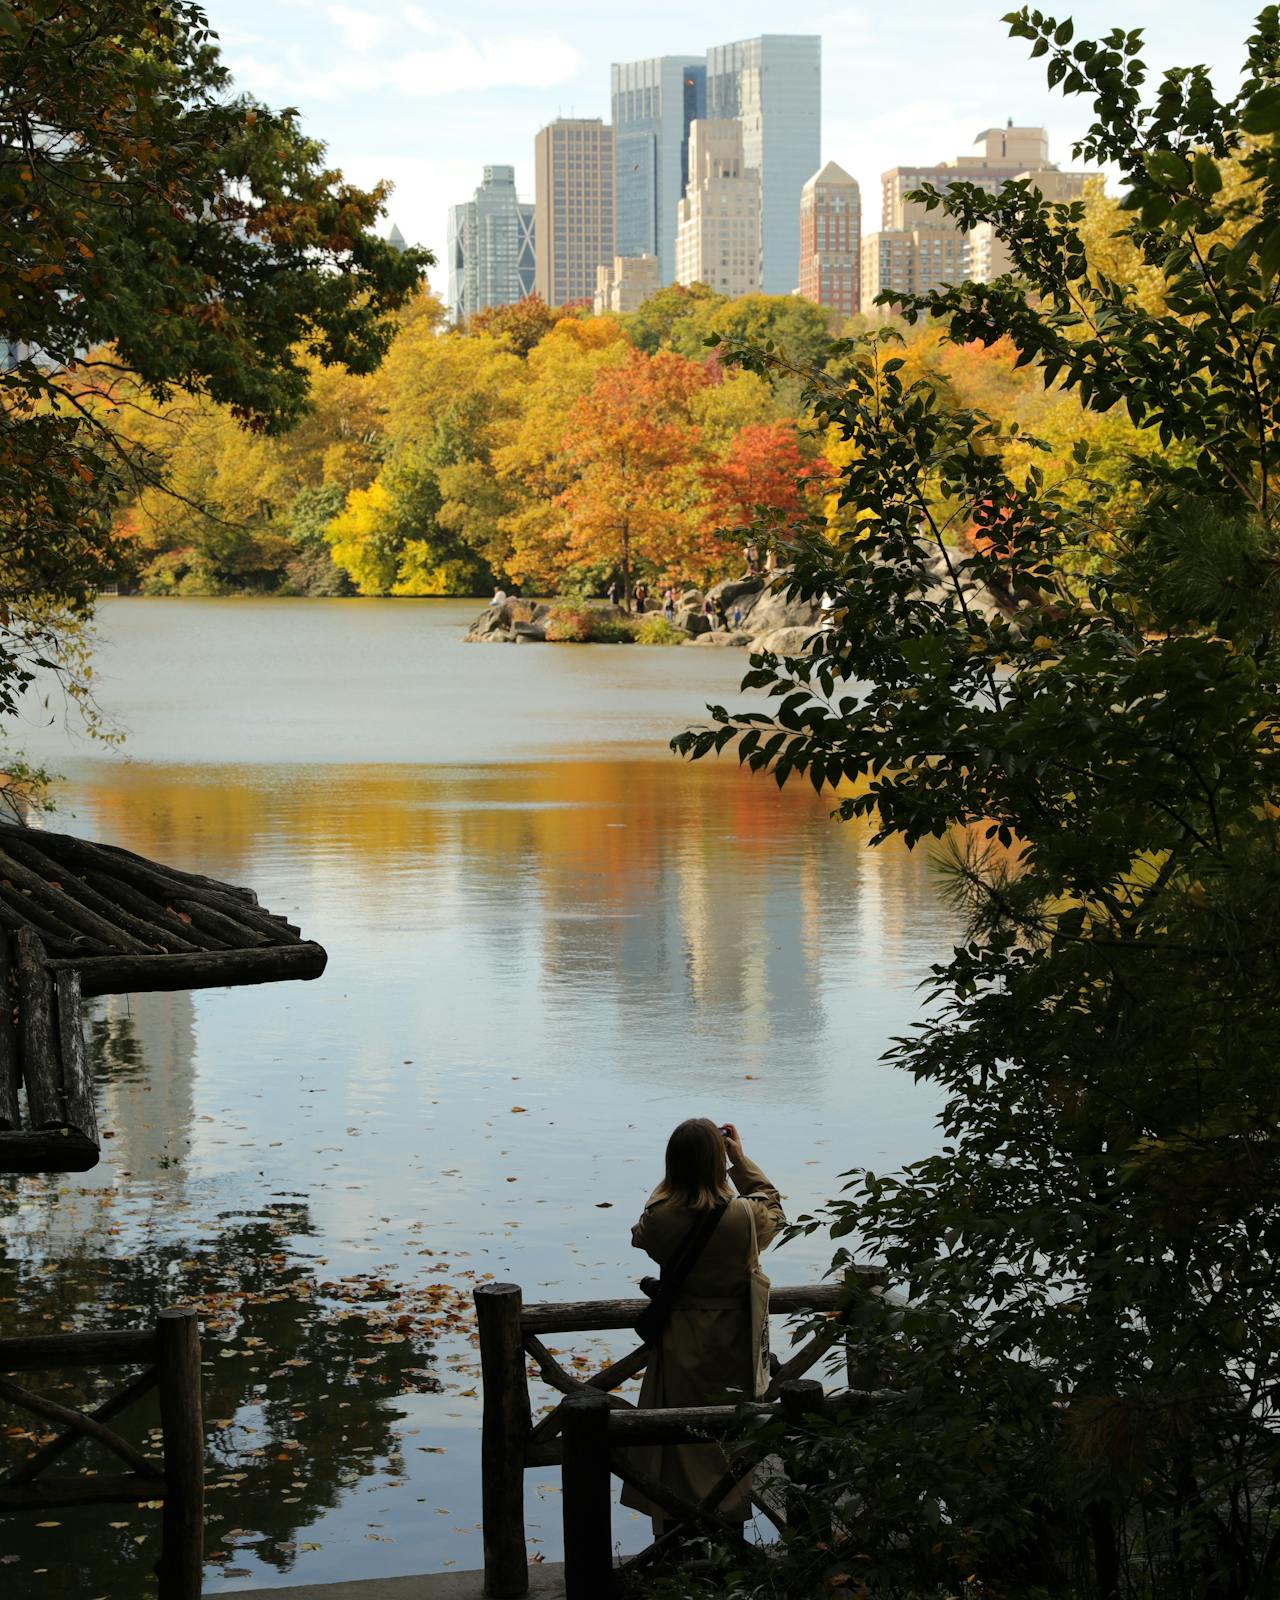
x: 549, y: 941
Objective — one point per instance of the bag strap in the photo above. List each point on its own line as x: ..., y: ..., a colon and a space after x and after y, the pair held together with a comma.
x: 672, y: 1274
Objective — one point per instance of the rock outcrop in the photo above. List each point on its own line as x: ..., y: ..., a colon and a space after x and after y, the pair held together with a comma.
x: 514, y: 621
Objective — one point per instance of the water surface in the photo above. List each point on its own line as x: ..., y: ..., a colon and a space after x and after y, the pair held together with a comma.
x: 549, y: 941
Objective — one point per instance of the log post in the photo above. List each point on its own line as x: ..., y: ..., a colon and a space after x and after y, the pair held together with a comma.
x: 801, y: 1399
x: 586, y: 1498
x: 181, y: 1562
x: 504, y: 1436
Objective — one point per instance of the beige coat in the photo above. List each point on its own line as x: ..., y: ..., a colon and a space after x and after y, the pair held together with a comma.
x: 706, y: 1354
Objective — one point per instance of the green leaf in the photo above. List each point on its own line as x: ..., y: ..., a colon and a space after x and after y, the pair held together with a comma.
x: 1262, y: 114
x: 1205, y: 169
x: 1167, y: 167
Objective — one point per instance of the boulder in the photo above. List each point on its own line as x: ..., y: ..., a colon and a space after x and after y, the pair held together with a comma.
x: 774, y: 610
x: 784, y: 641
x: 690, y: 600
x: 498, y: 624
x: 720, y: 640
x: 692, y: 620
x: 730, y: 590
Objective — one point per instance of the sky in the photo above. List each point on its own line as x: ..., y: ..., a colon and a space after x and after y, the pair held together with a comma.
x: 425, y: 94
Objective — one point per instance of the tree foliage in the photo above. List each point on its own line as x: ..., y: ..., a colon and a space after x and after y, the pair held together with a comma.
x: 1083, y: 1355
x: 159, y: 237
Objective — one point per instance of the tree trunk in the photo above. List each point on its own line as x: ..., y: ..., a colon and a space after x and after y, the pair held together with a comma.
x: 626, y: 568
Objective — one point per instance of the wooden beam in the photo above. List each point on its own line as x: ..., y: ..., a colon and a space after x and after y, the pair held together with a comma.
x: 77, y: 1081
x: 39, y: 891
x: 504, y: 1434
x: 41, y: 1066
x: 50, y: 1352
x: 47, y: 1494
x: 78, y: 1422
x: 107, y: 903
x: 206, y: 970
x: 120, y: 1401
x: 579, y: 1316
x: 10, y: 1068
x: 47, y: 1150
x: 178, y: 1367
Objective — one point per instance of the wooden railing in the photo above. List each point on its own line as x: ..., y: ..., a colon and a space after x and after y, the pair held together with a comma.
x: 170, y: 1356
x: 511, y: 1333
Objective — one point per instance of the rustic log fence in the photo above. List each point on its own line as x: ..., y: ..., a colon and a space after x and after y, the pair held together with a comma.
x: 169, y: 1354
x: 591, y: 1427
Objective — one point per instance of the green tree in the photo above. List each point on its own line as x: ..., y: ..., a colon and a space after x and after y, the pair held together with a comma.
x: 1085, y: 1376
x: 158, y: 235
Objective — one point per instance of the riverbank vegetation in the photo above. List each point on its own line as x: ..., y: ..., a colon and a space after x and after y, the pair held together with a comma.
x: 547, y: 449
x: 1079, y: 1375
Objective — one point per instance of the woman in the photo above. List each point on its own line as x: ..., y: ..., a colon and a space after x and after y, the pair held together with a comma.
x: 710, y: 1351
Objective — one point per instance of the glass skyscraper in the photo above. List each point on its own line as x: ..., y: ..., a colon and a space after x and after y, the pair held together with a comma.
x: 773, y: 86
x: 491, y: 247
x: 654, y: 101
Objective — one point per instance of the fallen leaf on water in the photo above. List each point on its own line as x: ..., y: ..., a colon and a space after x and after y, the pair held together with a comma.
x: 603, y: 1205
x: 517, y: 1108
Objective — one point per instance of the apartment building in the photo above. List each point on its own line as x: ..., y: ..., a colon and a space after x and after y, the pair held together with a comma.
x: 574, y: 188
x: 830, y: 240
x: 718, y: 221
x: 626, y: 283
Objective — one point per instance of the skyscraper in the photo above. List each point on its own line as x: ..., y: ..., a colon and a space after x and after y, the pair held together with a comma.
x: 654, y: 101
x: 490, y: 247
x: 573, y: 207
x: 718, y: 233
x: 773, y: 86
x: 830, y: 235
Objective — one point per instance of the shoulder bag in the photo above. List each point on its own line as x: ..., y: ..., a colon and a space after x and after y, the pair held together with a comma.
x: 663, y: 1290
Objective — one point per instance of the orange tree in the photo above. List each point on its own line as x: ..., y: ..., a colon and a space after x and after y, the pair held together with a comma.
x: 158, y: 233
x: 762, y: 483
x: 631, y: 446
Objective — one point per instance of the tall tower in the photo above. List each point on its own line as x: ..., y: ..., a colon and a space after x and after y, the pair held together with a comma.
x: 653, y: 102
x: 773, y: 86
x: 573, y: 207
x: 718, y: 231
x: 830, y: 235
x: 491, y: 247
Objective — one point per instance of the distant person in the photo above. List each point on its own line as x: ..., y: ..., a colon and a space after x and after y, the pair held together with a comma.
x: 722, y: 616
x: 711, y: 1345
x: 642, y: 594
x: 737, y: 617
x: 669, y: 604
x: 499, y: 597
x: 709, y: 611
x: 612, y: 592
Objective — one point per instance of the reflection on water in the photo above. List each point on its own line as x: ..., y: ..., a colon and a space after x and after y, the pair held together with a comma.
x: 537, y: 966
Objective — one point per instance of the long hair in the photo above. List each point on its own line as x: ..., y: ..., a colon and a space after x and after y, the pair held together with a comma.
x: 697, y: 1170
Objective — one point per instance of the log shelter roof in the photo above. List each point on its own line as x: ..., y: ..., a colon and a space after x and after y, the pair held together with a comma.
x: 79, y: 918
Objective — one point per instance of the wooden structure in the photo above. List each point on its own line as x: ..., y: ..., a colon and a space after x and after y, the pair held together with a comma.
x: 169, y: 1355
x: 588, y: 1429
x: 79, y: 919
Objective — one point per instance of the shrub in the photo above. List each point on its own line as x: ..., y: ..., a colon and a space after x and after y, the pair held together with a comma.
x: 588, y: 625
x: 655, y: 629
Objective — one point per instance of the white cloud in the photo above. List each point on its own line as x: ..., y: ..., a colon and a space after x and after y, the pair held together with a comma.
x: 454, y: 65
x: 360, y: 30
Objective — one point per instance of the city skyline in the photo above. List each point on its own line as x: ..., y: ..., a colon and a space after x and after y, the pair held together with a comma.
x: 403, y: 92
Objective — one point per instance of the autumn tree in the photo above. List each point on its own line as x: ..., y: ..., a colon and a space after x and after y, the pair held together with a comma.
x: 630, y: 441
x: 763, y: 483
x: 159, y: 235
